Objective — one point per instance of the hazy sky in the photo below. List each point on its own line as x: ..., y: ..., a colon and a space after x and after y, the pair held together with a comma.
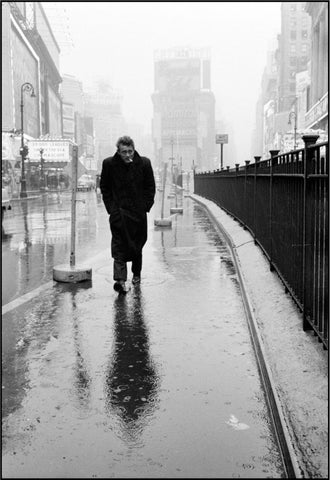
x: 116, y: 41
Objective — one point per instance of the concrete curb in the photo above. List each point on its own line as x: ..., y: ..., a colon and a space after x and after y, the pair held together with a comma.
x: 297, y: 361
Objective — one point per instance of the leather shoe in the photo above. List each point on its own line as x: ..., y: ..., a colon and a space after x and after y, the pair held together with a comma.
x: 120, y: 287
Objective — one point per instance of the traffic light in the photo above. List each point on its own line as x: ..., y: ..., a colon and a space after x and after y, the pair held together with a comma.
x: 24, y: 151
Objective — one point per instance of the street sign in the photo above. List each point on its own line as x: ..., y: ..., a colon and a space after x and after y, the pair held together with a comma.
x: 221, y: 138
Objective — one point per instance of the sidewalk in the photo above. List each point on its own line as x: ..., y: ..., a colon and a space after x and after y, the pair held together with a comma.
x: 297, y: 361
x: 161, y: 383
x: 64, y: 333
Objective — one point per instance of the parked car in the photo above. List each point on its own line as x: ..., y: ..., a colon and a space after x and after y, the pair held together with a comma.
x: 86, y: 182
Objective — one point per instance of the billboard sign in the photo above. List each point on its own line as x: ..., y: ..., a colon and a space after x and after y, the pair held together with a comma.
x: 53, y: 150
x: 178, y: 75
x: 179, y: 120
x: 221, y: 138
x: 68, y: 110
x: 68, y: 127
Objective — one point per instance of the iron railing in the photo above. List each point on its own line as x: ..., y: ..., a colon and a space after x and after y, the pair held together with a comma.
x: 283, y: 201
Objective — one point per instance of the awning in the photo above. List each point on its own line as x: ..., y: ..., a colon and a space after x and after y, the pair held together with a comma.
x: 11, y: 144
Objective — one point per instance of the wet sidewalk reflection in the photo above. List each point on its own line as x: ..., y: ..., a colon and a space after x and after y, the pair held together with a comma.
x: 160, y: 383
x: 131, y: 383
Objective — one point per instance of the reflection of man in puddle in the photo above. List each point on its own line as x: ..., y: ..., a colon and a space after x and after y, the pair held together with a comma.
x: 131, y: 383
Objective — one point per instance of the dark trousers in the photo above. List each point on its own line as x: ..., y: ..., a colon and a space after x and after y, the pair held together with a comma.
x: 120, y: 268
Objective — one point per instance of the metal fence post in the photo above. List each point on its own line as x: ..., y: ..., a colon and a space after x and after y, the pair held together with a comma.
x: 236, y: 186
x: 308, y: 158
x: 245, y: 195
x: 273, y: 154
x: 257, y: 159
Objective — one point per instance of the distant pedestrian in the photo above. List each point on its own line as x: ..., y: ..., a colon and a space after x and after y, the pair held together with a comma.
x: 128, y: 189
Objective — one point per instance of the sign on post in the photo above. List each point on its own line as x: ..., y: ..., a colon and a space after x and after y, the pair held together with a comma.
x: 221, y: 138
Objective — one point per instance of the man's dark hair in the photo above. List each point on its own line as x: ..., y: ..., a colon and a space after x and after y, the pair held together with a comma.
x: 125, y: 140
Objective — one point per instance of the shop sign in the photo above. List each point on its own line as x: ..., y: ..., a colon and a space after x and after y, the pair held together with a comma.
x: 317, y: 112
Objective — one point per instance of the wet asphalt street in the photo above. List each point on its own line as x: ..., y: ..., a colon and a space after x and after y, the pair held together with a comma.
x: 160, y: 383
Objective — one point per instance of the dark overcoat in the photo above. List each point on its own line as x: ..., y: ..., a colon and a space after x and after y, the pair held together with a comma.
x: 128, y: 192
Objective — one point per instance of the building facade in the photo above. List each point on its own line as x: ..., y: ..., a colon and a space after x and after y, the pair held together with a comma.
x: 293, y: 65
x: 183, y: 126
x: 72, y: 92
x: 317, y: 116
x: 281, y: 113
x: 30, y: 54
x: 76, y: 126
x: 267, y: 99
x: 294, y: 51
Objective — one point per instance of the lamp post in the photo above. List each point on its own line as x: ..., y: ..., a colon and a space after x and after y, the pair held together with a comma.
x: 26, y: 87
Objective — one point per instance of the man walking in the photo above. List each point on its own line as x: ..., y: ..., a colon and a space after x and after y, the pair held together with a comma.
x: 128, y: 189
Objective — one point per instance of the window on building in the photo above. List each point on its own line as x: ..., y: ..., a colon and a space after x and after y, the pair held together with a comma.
x: 293, y: 8
x: 293, y: 34
x: 304, y: 47
x: 303, y: 60
x: 293, y: 61
x: 304, y: 34
x: 292, y: 48
x: 293, y: 23
x: 293, y: 87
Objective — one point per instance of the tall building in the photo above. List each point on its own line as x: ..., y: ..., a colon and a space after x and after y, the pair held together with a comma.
x: 76, y: 125
x: 72, y: 92
x: 30, y: 54
x: 267, y: 97
x: 317, y: 116
x: 294, y: 51
x: 184, y: 108
x: 285, y: 94
x: 293, y: 58
x: 73, y: 107
x: 143, y: 141
x: 35, y: 59
x: 104, y: 104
